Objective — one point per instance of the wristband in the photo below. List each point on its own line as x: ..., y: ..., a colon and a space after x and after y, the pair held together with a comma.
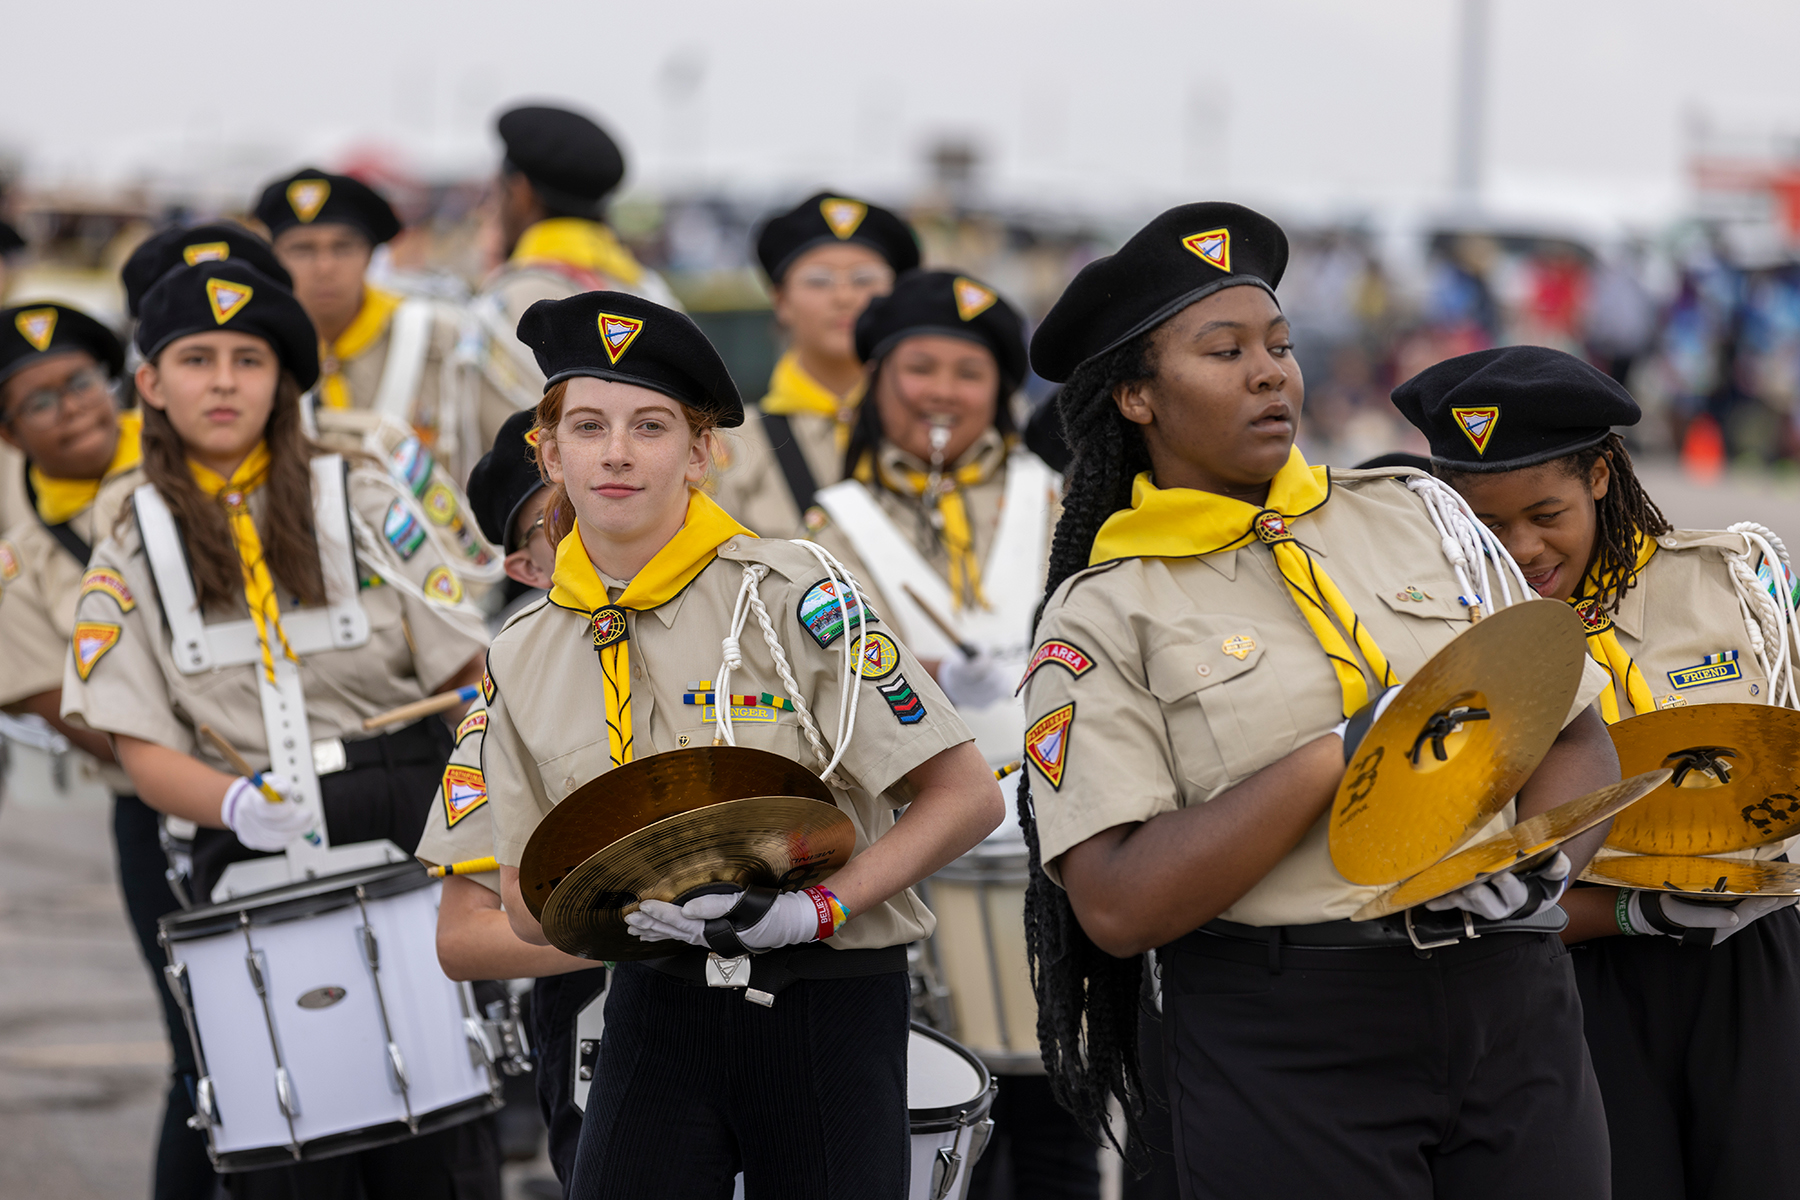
x: 830, y: 910
x: 1622, y: 913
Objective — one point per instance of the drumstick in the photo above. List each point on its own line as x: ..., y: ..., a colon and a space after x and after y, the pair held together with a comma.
x: 474, y: 866
x: 932, y: 615
x: 1008, y: 769
x: 239, y: 765
x: 441, y: 702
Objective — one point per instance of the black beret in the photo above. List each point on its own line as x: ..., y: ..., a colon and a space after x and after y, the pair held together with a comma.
x: 613, y: 335
x: 571, y: 161
x: 311, y: 197
x: 1516, y: 406
x: 1396, y: 458
x: 942, y: 302
x: 29, y: 332
x: 1187, y: 253
x: 173, y: 248
x: 235, y: 296
x: 10, y: 241
x: 828, y: 220
x: 505, y: 478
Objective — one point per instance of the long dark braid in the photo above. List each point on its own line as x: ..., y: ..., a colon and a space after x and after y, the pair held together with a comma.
x: 1087, y: 999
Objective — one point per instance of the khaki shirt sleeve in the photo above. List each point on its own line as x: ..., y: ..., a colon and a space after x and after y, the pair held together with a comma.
x: 112, y: 679
x: 517, y: 802
x: 35, y: 649
x: 459, y: 826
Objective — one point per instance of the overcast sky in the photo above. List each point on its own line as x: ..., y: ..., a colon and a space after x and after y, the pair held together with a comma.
x: 1129, y: 104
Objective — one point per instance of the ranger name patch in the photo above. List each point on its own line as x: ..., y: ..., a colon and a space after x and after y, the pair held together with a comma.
x: 108, y: 582
x: 1063, y: 654
x: 92, y: 640
x: 465, y: 790
x: 1047, y: 743
x: 1718, y: 668
x: 907, y: 708
x: 475, y: 722
x: 823, y: 615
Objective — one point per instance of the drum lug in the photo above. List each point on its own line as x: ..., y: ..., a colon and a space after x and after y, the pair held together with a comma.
x: 206, y: 1106
x: 284, y: 1094
x: 372, y: 955
x: 943, y: 1172
x: 482, y: 1051
x: 587, y: 1056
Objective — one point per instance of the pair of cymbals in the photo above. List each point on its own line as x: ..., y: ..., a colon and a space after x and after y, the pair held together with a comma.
x: 1698, y: 877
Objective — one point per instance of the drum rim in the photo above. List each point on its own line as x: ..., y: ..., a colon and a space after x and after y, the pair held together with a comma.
x: 351, y: 1141
x: 296, y: 901
x: 964, y: 1113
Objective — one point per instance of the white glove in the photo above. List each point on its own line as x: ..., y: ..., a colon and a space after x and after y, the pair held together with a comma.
x: 260, y: 823
x: 792, y: 919
x: 1726, y: 919
x: 1517, y: 897
x: 1365, y: 718
x: 974, y: 682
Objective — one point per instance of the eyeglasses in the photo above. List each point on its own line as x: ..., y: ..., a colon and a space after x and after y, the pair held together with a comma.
x: 862, y: 279
x: 40, y: 407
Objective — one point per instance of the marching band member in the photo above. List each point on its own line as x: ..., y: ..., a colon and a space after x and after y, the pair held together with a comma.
x: 58, y: 368
x: 1685, y: 1043
x: 807, y: 1095
x: 216, y: 601
x: 188, y: 245
x: 1216, y: 609
x: 826, y: 258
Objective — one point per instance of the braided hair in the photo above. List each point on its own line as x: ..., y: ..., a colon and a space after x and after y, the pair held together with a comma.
x: 1087, y: 999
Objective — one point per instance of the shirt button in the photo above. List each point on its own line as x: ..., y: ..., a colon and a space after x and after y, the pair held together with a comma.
x: 637, y: 671
x: 1203, y: 670
x: 1666, y: 542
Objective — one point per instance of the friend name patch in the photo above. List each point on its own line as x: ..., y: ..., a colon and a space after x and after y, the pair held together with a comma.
x: 1717, y: 668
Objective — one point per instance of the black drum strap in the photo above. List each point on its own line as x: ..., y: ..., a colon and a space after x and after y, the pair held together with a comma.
x: 800, y: 481
x: 68, y: 538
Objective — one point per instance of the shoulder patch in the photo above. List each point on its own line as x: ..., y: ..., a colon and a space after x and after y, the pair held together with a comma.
x: 1047, y: 743
x: 410, y: 465
x: 823, y: 612
x: 465, y: 790
x: 440, y: 504
x: 1064, y: 654
x: 905, y: 704
x: 488, y: 690
x: 880, y: 657
x: 9, y: 562
x: 402, y: 530
x: 475, y: 722
x: 92, y: 640
x: 442, y: 585
x: 108, y: 581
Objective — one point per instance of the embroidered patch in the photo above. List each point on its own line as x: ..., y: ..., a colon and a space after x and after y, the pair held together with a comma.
x: 1717, y: 668
x: 908, y: 709
x: 488, y: 690
x: 1047, y: 744
x: 1477, y: 423
x: 1766, y: 578
x: 1238, y: 646
x: 1593, y: 621
x: 465, y: 790
x: 880, y: 657
x: 201, y: 252
x: 776, y: 702
x: 823, y: 616
x: 402, y: 530
x: 1212, y: 248
x: 440, y: 504
x: 741, y: 712
x: 227, y: 299
x: 475, y: 722
x: 1063, y: 654
x: 9, y: 562
x: 617, y: 333
x: 609, y: 627
x: 533, y: 435
x: 307, y: 196
x: 37, y: 326
x: 842, y: 216
x: 972, y: 299
x: 101, y: 579
x: 1672, y: 701
x: 92, y: 640
x: 410, y: 465
x: 442, y: 585
x: 1271, y: 527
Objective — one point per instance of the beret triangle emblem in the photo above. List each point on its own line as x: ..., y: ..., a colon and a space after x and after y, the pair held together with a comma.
x: 617, y: 333
x: 307, y: 196
x: 1212, y: 247
x: 227, y: 298
x: 201, y: 252
x: 1477, y: 423
x: 972, y: 299
x: 843, y: 216
x: 37, y: 326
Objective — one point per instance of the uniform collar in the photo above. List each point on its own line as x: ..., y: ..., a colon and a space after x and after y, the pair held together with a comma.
x: 977, y: 464
x: 579, y: 243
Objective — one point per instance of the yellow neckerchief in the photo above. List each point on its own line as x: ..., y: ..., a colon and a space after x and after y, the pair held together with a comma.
x: 370, y: 322
x: 793, y: 392
x: 60, y: 500
x: 576, y: 585
x: 259, y: 585
x: 1604, y: 648
x: 1187, y: 523
x: 573, y: 242
x: 902, y: 473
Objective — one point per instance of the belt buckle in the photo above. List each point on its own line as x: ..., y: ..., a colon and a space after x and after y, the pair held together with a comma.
x: 328, y: 756
x: 1412, y: 934
x: 722, y: 972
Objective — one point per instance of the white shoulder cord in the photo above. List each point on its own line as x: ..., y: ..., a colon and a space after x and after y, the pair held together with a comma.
x: 749, y: 599
x: 1768, y: 612
x: 1470, y: 546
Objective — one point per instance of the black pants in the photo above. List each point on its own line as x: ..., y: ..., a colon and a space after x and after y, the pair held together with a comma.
x: 1458, y: 1073
x: 462, y: 1163
x: 1158, y: 1181
x: 807, y: 1098
x: 555, y: 1001
x: 183, y: 1171
x: 1037, y: 1149
x: 1698, y: 1055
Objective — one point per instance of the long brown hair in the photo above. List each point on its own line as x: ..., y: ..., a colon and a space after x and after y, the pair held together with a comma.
x: 285, y: 527
x: 559, y: 512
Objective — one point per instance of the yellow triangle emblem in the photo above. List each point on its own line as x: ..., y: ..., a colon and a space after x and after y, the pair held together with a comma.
x: 617, y: 333
x: 1212, y: 247
x: 37, y: 326
x: 227, y: 298
x: 307, y: 196
x: 972, y: 299
x: 843, y: 216
x: 1477, y: 423
x: 201, y: 252
x: 92, y: 639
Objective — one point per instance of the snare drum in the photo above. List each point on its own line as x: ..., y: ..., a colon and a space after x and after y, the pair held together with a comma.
x: 321, y: 1021
x: 948, y: 1096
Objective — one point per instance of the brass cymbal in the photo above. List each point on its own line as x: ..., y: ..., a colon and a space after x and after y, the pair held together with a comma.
x: 1753, y: 801
x: 784, y: 842
x: 1525, y: 844
x: 627, y: 798
x: 1422, y: 781
x: 1696, y: 876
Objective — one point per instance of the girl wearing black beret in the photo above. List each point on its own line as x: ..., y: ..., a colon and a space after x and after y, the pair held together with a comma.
x: 1216, y: 610
x: 281, y: 596
x: 1686, y: 1043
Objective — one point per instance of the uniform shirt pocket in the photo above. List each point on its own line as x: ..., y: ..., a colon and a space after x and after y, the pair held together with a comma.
x: 1225, y: 708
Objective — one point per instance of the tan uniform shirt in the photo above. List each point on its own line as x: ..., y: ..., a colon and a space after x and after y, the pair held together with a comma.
x: 750, y: 484
x: 1161, y: 717
x: 459, y: 826
x: 134, y: 688
x: 546, y: 732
